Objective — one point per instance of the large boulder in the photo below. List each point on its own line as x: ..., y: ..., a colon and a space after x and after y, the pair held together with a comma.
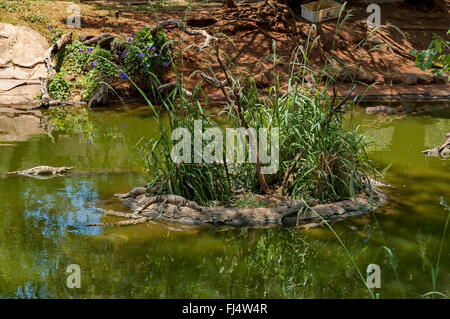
x: 21, y: 63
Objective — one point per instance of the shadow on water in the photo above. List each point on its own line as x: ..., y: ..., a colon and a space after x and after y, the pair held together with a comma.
x: 42, y: 229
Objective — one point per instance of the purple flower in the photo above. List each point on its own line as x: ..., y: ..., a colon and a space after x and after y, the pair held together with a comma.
x: 153, y: 48
x: 50, y: 27
x: 89, y: 141
x: 123, y: 76
x: 141, y: 55
x: 153, y: 54
x: 130, y: 40
x: 94, y: 64
x: 90, y: 50
x: 80, y: 50
x: 166, y: 64
x: 123, y: 55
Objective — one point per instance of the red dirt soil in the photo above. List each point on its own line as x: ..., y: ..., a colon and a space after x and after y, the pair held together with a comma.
x: 253, y: 41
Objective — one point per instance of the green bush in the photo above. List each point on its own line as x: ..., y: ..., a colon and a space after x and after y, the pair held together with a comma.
x: 436, y: 57
x: 33, y: 18
x: 59, y: 88
x: 91, y: 65
x: 146, y: 56
x: 56, y: 34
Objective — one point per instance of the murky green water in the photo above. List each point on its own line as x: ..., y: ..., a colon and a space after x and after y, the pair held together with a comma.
x: 42, y: 225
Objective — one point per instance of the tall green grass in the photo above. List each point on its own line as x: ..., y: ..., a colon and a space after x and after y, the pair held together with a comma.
x: 325, y: 161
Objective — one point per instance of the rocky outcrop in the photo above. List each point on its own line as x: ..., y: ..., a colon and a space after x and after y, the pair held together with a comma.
x: 440, y: 151
x: 21, y: 64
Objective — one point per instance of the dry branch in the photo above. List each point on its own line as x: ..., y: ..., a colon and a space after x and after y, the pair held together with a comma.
x: 182, y: 26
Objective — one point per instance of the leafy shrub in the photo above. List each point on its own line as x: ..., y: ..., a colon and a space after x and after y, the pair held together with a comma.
x: 92, y: 66
x: 33, y: 18
x: 59, y: 88
x: 79, y: 58
x: 12, y: 6
x: 56, y: 34
x: 435, y: 55
x: 147, y: 55
x: 89, y: 84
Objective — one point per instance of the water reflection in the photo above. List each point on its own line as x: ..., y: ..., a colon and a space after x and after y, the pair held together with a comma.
x: 41, y: 229
x: 57, y: 210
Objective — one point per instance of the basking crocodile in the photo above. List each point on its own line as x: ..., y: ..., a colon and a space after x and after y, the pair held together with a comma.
x: 442, y: 150
x: 45, y: 172
x: 42, y: 171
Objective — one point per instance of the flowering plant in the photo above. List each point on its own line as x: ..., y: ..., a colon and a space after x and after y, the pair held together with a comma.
x: 147, y: 55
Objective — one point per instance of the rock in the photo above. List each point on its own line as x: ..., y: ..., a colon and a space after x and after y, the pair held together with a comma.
x: 411, y: 79
x: 21, y: 64
x: 425, y: 79
x: 348, y: 76
x: 101, y: 96
x: 380, y: 109
x: 394, y: 79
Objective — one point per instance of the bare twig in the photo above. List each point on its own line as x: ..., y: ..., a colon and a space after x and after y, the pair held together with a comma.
x: 182, y: 26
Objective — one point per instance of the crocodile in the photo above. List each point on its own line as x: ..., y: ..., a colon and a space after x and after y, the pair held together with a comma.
x: 42, y: 171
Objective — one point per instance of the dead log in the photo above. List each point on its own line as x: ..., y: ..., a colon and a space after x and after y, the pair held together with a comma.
x: 440, y: 151
x: 103, y: 40
x: 182, y: 26
x: 167, y: 87
x: 51, y: 68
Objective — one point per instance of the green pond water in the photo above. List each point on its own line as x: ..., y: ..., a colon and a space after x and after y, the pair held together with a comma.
x: 42, y: 224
